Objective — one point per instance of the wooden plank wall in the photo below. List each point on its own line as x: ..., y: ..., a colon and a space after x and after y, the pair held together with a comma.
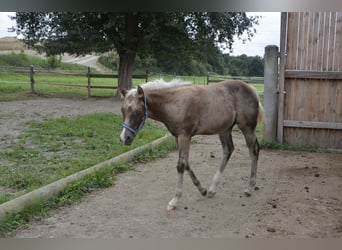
x: 313, y: 80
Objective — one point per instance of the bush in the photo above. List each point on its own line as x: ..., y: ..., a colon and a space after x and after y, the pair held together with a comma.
x: 110, y: 60
x: 53, y: 62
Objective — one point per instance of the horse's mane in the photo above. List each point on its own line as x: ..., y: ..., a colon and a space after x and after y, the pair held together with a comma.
x: 160, y: 84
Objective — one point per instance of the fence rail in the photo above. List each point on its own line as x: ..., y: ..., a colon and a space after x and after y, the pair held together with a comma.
x: 33, y: 74
x: 212, y: 78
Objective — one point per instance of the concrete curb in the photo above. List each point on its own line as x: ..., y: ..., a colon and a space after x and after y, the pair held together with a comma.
x: 20, y: 203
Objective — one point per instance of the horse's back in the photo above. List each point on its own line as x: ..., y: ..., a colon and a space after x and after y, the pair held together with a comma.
x: 237, y: 88
x: 209, y: 109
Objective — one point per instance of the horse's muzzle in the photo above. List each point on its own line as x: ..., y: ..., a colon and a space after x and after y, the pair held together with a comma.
x: 126, y: 137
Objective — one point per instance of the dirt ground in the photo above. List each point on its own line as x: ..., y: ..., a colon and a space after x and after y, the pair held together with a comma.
x: 299, y: 194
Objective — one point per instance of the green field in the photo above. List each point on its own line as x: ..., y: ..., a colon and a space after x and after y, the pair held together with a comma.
x: 16, y: 86
x: 49, y: 150
x: 15, y: 79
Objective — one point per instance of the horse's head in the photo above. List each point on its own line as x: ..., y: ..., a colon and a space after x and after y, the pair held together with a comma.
x: 134, y: 112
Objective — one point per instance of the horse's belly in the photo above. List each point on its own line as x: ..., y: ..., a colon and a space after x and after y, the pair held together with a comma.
x: 216, y: 117
x: 218, y: 125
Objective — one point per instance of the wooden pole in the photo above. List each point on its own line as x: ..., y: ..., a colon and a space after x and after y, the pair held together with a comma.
x: 283, y: 27
x: 271, y: 92
x: 89, y: 82
x: 32, y: 80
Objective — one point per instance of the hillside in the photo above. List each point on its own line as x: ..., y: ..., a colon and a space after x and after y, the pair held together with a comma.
x: 11, y: 43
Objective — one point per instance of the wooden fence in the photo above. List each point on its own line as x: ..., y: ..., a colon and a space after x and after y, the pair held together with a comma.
x: 212, y: 78
x: 310, y: 106
x: 88, y: 75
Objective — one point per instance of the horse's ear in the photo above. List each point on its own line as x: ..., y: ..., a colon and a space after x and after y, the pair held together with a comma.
x: 140, y: 92
x: 123, y: 93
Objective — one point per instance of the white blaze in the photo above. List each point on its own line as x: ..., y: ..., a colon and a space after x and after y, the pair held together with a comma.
x: 122, y: 135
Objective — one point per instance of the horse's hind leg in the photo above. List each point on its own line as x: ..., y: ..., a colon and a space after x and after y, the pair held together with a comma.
x: 228, y: 148
x: 254, y: 148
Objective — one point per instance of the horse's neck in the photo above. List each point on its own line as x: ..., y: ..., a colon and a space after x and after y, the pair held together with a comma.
x: 157, y: 103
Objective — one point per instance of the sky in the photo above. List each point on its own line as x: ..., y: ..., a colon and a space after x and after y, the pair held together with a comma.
x: 267, y: 33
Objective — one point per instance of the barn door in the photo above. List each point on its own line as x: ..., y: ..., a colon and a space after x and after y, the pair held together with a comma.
x: 310, y: 82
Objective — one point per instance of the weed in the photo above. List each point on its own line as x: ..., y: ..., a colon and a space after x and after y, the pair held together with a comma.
x: 278, y: 146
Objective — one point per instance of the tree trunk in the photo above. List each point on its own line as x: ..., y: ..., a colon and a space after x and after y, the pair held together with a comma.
x: 126, y: 70
x: 128, y: 52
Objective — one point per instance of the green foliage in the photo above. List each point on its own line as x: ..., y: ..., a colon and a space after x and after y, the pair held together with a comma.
x: 24, y: 60
x: 243, y: 65
x: 172, y: 39
x: 84, y: 32
x: 53, y: 62
x: 110, y: 60
x: 19, y: 60
x: 217, y: 62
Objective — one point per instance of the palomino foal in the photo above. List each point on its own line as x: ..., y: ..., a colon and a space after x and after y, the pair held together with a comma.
x: 188, y: 110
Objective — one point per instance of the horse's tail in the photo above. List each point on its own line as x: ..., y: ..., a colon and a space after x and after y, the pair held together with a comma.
x: 261, y: 112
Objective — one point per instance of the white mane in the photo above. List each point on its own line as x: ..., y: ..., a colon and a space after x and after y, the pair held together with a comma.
x: 160, y: 84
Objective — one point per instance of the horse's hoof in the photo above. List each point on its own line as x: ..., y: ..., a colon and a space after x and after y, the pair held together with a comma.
x: 247, y: 193
x: 170, y: 207
x: 211, y: 194
x: 204, y: 193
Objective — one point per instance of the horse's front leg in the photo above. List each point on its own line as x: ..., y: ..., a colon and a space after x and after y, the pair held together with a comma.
x: 182, y: 161
x: 173, y: 203
x: 183, y: 164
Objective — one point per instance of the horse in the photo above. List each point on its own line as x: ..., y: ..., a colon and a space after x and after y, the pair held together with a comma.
x: 187, y: 110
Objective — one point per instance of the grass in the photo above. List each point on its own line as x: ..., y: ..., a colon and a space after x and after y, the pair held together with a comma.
x: 50, y: 150
x: 278, y: 146
x: 53, y: 149
x: 77, y: 189
x: 17, y: 86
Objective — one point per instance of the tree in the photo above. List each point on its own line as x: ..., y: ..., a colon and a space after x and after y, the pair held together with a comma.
x: 243, y: 65
x: 255, y: 66
x: 174, y: 38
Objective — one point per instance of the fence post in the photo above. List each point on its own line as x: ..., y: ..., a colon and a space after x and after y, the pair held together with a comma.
x: 88, y: 75
x: 271, y: 92
x: 32, y: 80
